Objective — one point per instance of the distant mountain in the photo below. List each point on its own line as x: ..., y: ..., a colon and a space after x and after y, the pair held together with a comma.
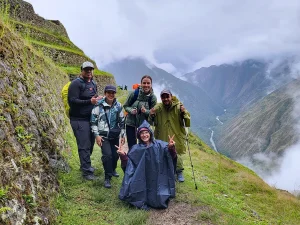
x: 237, y: 86
x: 268, y: 126
x: 202, y: 108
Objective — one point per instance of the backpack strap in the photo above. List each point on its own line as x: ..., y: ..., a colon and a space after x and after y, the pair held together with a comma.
x: 83, y: 85
x: 135, y: 96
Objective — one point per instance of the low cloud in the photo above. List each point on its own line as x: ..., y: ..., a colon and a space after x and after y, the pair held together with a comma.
x: 179, y: 34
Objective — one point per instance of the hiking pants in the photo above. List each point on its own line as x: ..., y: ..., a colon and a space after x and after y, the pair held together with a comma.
x: 109, y: 156
x: 85, y: 143
x: 179, y: 166
x: 131, y: 136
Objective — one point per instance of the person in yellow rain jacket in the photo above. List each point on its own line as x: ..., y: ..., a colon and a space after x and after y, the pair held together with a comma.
x: 170, y: 118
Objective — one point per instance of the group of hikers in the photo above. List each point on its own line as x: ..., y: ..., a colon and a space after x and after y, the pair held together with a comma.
x: 154, y: 159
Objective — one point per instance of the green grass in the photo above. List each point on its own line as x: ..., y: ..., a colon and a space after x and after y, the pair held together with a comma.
x: 76, y: 70
x: 88, y: 202
x: 38, y: 29
x: 231, y: 193
x: 228, y: 192
x: 58, y: 47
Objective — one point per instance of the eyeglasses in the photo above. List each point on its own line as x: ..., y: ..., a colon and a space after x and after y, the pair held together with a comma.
x: 87, y: 69
x: 164, y: 96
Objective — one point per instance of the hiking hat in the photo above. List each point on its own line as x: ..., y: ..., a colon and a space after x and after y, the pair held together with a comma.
x: 87, y: 64
x: 110, y: 88
x: 165, y: 91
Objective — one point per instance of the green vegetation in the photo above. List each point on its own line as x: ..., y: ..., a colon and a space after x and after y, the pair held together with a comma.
x: 76, y: 70
x: 49, y: 33
x: 228, y: 193
x: 58, y: 47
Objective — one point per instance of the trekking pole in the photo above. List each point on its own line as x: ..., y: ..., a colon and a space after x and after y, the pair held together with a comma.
x: 187, y: 142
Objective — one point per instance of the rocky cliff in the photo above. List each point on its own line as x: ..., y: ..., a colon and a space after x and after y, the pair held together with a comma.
x: 36, y: 57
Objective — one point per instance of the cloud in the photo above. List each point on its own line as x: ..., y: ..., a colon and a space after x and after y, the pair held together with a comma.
x: 288, y: 175
x: 180, y: 34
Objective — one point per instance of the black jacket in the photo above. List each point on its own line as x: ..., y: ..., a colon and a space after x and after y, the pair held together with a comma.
x: 79, y: 98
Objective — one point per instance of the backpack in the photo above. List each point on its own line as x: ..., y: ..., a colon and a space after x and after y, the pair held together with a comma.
x: 65, y: 90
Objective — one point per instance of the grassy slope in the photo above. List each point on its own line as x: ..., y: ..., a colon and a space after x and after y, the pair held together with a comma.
x: 232, y: 193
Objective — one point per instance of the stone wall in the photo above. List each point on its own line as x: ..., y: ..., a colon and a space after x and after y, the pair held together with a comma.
x: 62, y: 57
x: 32, y: 129
x: 44, y: 37
x: 24, y: 12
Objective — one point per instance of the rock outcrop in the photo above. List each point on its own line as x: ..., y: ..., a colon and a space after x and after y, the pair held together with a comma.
x: 35, y: 58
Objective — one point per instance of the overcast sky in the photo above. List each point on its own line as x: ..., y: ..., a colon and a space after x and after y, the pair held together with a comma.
x: 177, y: 34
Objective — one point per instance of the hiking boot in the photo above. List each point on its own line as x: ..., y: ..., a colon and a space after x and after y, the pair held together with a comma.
x: 107, y: 183
x: 115, y: 174
x: 180, y: 177
x: 91, y: 169
x: 90, y: 177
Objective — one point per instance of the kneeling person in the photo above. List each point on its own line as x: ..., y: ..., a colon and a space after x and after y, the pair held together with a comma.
x: 149, y: 179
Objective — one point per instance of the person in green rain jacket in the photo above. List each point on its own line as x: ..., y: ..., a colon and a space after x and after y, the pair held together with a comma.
x: 138, y: 105
x: 168, y: 119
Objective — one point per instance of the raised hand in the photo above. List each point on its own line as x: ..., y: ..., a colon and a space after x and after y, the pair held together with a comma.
x: 133, y: 111
x: 182, y: 108
x: 152, y: 111
x: 120, y: 150
x: 143, y: 109
x: 171, y: 141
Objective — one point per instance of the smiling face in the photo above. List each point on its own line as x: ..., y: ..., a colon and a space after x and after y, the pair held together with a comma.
x: 145, y: 136
x: 146, y: 84
x: 110, y: 96
x: 166, y: 99
x: 87, y: 73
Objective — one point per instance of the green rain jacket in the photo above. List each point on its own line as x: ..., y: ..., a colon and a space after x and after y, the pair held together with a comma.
x: 169, y: 121
x: 142, y: 99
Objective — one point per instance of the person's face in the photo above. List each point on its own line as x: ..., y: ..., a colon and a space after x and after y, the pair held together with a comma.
x: 110, y: 95
x: 166, y: 99
x: 87, y: 73
x: 145, y: 136
x: 146, y: 85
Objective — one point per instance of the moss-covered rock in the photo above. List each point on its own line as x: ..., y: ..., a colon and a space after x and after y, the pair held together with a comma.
x: 32, y: 130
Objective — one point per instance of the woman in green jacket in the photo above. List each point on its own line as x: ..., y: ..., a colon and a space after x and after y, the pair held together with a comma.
x: 138, y: 105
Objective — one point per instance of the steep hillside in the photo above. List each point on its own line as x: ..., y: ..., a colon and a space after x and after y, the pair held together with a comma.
x: 51, y: 38
x: 265, y: 127
x: 227, y: 193
x: 239, y: 85
x: 35, y: 55
x: 32, y: 128
x: 202, y: 108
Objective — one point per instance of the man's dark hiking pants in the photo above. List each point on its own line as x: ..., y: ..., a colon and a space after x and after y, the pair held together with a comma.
x: 85, y: 143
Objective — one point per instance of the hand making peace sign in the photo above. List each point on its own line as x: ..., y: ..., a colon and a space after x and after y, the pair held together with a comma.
x: 171, y: 141
x: 120, y: 150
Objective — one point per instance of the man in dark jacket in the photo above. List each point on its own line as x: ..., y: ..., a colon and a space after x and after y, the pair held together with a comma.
x: 82, y: 96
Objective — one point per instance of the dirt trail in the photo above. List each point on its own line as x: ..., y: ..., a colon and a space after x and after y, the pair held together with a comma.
x: 178, y: 213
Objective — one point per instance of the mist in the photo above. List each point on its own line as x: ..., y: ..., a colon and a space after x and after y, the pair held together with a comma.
x: 179, y: 36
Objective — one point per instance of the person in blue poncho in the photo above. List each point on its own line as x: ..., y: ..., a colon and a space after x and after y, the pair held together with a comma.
x: 149, y: 180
